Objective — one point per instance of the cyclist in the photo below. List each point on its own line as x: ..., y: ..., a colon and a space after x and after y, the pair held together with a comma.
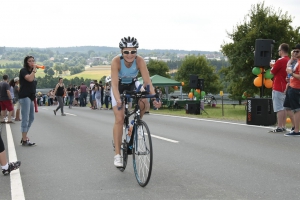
x: 124, y: 69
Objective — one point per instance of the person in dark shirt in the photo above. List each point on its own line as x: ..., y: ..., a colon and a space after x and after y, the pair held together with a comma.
x: 71, y: 91
x: 6, y: 100
x: 102, y: 92
x: 83, y: 94
x: 60, y: 91
x: 27, y: 96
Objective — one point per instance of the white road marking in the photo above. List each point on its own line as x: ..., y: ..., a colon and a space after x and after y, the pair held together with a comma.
x: 65, y: 113
x: 209, y: 120
x: 163, y: 138
x: 17, y: 192
x: 70, y: 114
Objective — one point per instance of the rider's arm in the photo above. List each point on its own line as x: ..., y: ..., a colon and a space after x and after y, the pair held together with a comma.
x: 115, y: 68
x: 145, y: 73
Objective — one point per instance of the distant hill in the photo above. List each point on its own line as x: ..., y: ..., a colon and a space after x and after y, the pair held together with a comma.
x: 104, y: 49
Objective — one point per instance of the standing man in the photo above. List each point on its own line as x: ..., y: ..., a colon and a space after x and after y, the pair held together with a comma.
x: 83, y: 95
x: 92, y: 84
x: 294, y: 91
x: 6, y: 101
x: 102, y: 92
x: 70, y: 91
x: 279, y: 83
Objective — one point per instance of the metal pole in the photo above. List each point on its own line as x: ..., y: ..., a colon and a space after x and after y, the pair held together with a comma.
x: 222, y: 107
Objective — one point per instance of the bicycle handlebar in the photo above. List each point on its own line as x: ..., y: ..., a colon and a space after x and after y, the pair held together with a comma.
x: 140, y: 92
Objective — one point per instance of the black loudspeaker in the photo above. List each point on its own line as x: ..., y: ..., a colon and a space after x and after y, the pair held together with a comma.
x: 263, y: 52
x: 192, y: 108
x: 200, y: 84
x: 260, y: 112
x: 193, y: 81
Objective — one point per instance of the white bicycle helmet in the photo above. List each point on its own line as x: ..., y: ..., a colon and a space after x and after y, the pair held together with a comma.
x: 107, y: 79
x: 128, y: 42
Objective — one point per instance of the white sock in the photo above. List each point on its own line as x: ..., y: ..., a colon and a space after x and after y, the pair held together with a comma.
x: 5, y: 167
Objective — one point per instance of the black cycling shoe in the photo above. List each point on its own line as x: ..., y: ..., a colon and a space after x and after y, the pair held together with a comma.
x: 27, y: 143
x: 11, y: 166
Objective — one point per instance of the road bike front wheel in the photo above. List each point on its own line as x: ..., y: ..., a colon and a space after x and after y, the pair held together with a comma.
x: 142, y: 153
x: 124, y: 153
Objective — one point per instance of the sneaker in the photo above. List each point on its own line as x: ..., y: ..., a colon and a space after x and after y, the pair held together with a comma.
x: 276, y: 130
x: 27, y: 142
x: 63, y: 114
x: 54, y: 112
x: 284, y: 129
x: 11, y: 166
x: 118, y: 161
x: 292, y: 129
x: 293, y: 133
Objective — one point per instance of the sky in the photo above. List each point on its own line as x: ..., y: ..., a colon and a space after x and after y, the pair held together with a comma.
x: 157, y: 24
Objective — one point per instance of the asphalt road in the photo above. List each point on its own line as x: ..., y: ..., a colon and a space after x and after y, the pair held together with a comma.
x: 73, y: 159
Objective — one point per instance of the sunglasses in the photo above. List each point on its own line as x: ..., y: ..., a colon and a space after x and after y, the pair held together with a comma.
x: 131, y: 52
x: 295, y: 51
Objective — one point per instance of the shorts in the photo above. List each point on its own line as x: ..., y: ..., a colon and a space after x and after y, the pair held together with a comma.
x: 294, y: 99
x: 6, y: 105
x: 18, y: 106
x: 278, y: 100
x: 122, y: 88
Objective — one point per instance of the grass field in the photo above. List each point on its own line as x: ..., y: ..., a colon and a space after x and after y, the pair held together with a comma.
x: 237, y: 114
x: 3, y: 62
x: 95, y: 72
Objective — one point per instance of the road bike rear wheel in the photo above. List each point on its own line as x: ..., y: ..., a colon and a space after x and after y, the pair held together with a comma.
x: 142, y: 153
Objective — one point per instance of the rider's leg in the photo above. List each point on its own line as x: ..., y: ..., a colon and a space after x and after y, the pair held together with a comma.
x: 118, y: 128
x: 143, y: 103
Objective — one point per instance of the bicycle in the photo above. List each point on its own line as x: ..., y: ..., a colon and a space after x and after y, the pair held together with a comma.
x: 140, y: 143
x: 210, y: 101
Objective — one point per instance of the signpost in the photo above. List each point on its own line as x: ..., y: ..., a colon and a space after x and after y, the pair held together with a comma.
x: 221, y: 94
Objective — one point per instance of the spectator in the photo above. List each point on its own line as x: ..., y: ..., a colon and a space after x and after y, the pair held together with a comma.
x: 294, y: 92
x: 83, y: 95
x: 17, y: 103
x: 27, y: 96
x: 60, y: 91
x: 6, y: 101
x: 292, y: 62
x: 76, y: 95
x: 107, y: 92
x: 279, y: 84
x: 11, y: 89
x: 102, y: 92
x: 97, y: 96
x: 71, y: 91
x: 92, y: 84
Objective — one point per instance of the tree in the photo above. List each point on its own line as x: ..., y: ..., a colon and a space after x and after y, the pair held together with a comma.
x: 50, y: 72
x: 198, y: 65
x: 156, y: 67
x: 261, y: 23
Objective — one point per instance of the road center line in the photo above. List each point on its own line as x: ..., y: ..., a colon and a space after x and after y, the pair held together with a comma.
x: 65, y: 113
x: 163, y: 138
x: 16, y: 186
x: 209, y: 120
